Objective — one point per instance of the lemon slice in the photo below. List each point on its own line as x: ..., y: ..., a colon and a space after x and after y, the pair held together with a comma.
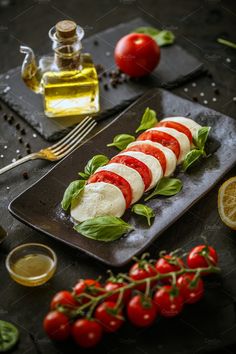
x: 227, y: 202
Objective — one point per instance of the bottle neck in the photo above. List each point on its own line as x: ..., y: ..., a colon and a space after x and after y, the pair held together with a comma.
x: 67, y: 57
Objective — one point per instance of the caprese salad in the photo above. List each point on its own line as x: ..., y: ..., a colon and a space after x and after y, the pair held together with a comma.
x: 116, y: 184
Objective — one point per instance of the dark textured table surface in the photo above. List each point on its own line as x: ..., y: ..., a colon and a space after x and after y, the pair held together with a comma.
x: 203, y: 327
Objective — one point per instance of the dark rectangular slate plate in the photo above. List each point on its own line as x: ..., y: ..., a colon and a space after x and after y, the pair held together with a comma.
x: 176, y: 67
x: 39, y: 206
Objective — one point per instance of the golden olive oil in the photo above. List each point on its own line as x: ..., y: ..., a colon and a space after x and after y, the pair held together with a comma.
x: 32, y: 269
x: 71, y: 92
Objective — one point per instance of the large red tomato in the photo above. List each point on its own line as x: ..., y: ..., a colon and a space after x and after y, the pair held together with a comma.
x: 137, y: 54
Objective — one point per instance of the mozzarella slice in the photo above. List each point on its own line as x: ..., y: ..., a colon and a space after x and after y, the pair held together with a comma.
x: 130, y: 175
x: 180, y: 137
x: 151, y: 162
x: 98, y: 199
x: 169, y: 155
x: 189, y: 123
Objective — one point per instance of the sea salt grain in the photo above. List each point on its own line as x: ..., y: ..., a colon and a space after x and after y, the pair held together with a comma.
x: 228, y: 60
x: 2, y: 156
x: 185, y: 89
x: 213, y: 84
x: 234, y: 99
x: 34, y: 135
x: 17, y: 151
x: 214, y: 99
x: 202, y: 94
x: 205, y: 101
x: 5, y: 147
x: 13, y: 160
x: 194, y: 84
x: 8, y: 188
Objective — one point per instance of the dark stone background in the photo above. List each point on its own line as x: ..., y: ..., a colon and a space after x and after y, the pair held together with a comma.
x: 204, y: 327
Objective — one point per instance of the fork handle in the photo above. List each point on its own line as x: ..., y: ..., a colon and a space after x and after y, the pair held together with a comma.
x: 29, y: 157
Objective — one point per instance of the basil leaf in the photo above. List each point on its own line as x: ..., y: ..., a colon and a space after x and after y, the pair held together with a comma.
x: 201, y: 138
x: 227, y: 43
x: 149, y: 120
x: 93, y: 164
x: 167, y: 186
x: 151, y: 31
x: 121, y: 141
x: 191, y: 157
x: 72, y: 192
x: 103, y: 228
x: 144, y: 210
x: 164, y: 38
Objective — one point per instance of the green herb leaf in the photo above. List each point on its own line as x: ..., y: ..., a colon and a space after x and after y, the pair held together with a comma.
x: 103, y: 228
x: 151, y: 31
x: 191, y: 157
x: 167, y: 186
x: 144, y: 210
x: 93, y: 164
x: 162, y: 37
x: 121, y: 141
x: 201, y: 138
x: 72, y: 192
x: 227, y: 43
x: 149, y: 120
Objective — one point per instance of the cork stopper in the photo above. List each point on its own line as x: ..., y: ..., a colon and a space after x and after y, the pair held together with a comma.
x: 66, y: 29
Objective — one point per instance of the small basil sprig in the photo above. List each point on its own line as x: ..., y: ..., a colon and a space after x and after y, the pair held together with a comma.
x: 144, y: 210
x: 227, y: 43
x: 167, y: 187
x: 162, y: 37
x: 121, y: 141
x: 149, y: 120
x: 93, y: 164
x: 72, y: 192
x: 199, y: 141
x: 103, y: 228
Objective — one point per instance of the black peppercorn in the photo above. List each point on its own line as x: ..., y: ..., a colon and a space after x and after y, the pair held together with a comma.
x: 105, y: 86
x: 23, y: 132
x: 17, y: 126
x: 25, y: 175
x: 20, y: 139
x: 217, y: 91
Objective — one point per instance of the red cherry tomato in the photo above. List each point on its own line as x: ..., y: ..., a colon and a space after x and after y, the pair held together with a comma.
x: 169, y: 301
x: 57, y: 326
x: 142, y: 270
x: 116, y: 180
x: 197, y: 256
x: 141, y: 311
x: 87, y: 333
x: 108, y: 316
x: 190, y: 292
x: 64, y: 298
x: 167, y: 264
x: 150, y: 150
x: 137, y: 165
x: 163, y: 138
x: 88, y: 286
x: 110, y: 286
x: 137, y: 54
x: 177, y: 126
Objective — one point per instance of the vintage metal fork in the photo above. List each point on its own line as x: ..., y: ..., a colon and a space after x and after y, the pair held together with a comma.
x: 62, y: 148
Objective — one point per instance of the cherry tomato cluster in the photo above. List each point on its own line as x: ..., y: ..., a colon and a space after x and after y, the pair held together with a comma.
x: 151, y: 288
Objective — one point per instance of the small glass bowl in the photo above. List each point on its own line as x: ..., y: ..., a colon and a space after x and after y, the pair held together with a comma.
x: 40, y: 267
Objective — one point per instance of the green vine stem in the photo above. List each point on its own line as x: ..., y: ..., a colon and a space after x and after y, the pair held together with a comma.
x: 132, y: 284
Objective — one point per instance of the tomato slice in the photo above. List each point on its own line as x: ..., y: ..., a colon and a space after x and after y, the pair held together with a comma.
x: 177, y: 126
x: 150, y: 150
x: 116, y: 180
x: 162, y: 138
x: 137, y: 165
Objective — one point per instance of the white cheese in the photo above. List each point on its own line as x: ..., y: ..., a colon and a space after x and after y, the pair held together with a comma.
x: 180, y: 137
x: 169, y: 155
x: 130, y: 175
x: 151, y: 162
x: 98, y: 199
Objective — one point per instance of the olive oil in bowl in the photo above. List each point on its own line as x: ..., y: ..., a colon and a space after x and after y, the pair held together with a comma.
x: 31, y: 264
